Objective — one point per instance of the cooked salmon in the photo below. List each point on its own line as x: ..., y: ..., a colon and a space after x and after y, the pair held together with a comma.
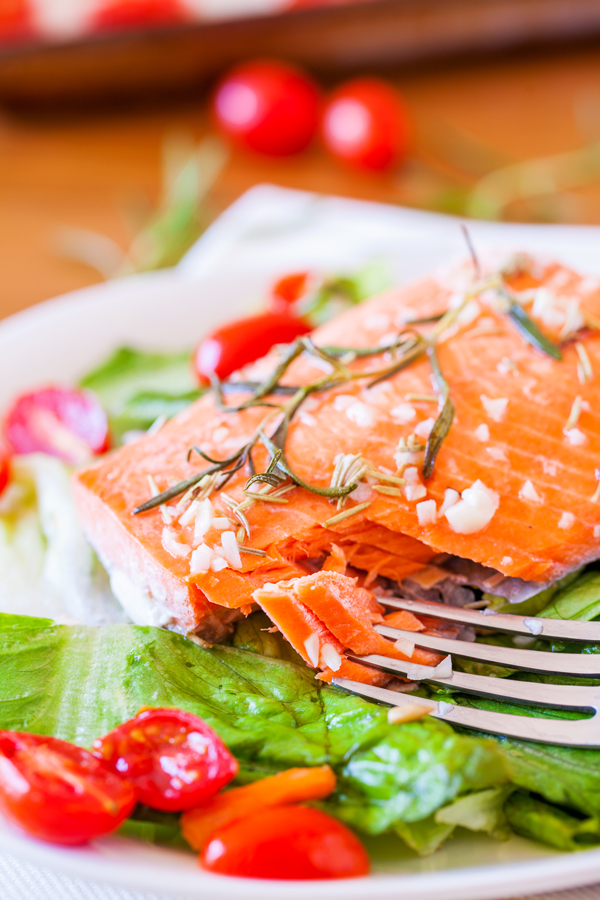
x: 525, y: 441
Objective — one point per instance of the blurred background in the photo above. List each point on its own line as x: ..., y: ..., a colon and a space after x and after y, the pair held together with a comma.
x: 127, y: 126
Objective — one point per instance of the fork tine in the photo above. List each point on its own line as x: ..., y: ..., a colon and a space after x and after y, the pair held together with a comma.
x: 563, y: 629
x: 576, y: 664
x: 572, y: 733
x: 527, y: 693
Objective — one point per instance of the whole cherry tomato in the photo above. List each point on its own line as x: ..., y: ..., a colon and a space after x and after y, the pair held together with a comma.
x: 174, y: 760
x: 4, y: 465
x: 287, y: 291
x: 116, y: 14
x: 365, y: 123
x: 59, y: 792
x: 64, y: 422
x: 286, y: 842
x: 233, y: 346
x: 268, y: 107
x: 16, y: 20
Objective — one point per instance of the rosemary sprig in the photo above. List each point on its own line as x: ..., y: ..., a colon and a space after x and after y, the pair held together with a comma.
x: 346, y: 514
x: 527, y: 328
x: 443, y: 422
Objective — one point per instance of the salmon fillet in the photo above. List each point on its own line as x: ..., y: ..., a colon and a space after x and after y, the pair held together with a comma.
x: 512, y: 406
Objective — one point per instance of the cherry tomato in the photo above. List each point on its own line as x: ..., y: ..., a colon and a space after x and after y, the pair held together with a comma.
x: 58, y: 792
x: 286, y: 842
x: 117, y: 14
x: 64, y: 422
x: 174, y: 760
x: 16, y: 20
x: 268, y: 107
x: 365, y: 123
x: 233, y: 346
x: 287, y: 291
x: 4, y: 465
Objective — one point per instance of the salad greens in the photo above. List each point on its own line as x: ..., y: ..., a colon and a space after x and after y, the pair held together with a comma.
x: 137, y: 387
x: 77, y: 683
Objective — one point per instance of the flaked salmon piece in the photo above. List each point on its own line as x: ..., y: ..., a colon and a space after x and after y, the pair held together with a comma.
x: 546, y: 522
x: 307, y: 634
x: 356, y: 672
x: 403, y: 619
x: 336, y: 561
x: 349, y: 612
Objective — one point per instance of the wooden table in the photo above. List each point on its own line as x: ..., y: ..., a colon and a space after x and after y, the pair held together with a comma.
x: 80, y: 170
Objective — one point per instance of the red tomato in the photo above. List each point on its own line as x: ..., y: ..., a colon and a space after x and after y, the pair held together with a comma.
x: 287, y: 842
x: 16, y: 20
x: 365, y: 123
x: 117, y: 14
x: 287, y: 291
x: 4, y: 465
x: 233, y: 346
x: 58, y: 792
x: 174, y: 760
x: 269, y: 107
x: 64, y: 422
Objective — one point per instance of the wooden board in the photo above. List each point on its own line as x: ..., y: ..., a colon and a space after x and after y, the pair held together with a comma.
x: 332, y: 39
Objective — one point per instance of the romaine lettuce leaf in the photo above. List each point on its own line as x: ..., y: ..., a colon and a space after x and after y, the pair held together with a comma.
x: 79, y: 682
x: 531, y: 817
x: 135, y: 387
x: 579, y: 600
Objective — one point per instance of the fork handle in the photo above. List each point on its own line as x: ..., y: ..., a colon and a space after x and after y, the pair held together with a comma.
x: 562, y: 629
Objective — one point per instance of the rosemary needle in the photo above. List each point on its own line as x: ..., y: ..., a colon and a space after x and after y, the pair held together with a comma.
x: 346, y: 514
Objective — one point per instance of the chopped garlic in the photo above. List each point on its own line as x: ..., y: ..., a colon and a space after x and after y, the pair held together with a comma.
x: 403, y: 413
x: 408, y: 713
x: 342, y: 402
x: 231, y: 549
x: 596, y: 531
x: 426, y: 512
x: 411, y: 475
x: 444, y: 708
x: 201, y: 560
x: 482, y: 433
x: 220, y: 523
x: 361, y: 414
x: 474, y: 511
x: 172, y: 544
x: 497, y: 453
x: 218, y: 564
x: 506, y: 561
x: 567, y: 520
x: 495, y: 409
x: 418, y: 673
x: 528, y: 492
x: 575, y: 436
x: 414, y: 492
x: 312, y: 647
x: 533, y: 625
x: 330, y: 657
x: 205, y: 513
x: 189, y: 514
x: 424, y: 429
x: 405, y: 646
x: 450, y: 498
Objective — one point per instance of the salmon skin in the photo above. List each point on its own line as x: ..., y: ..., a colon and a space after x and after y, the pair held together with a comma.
x: 526, y: 427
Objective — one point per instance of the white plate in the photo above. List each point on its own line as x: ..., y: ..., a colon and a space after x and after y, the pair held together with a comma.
x: 269, y: 232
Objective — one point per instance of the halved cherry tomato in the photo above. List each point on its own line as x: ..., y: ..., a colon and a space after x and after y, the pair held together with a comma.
x: 287, y: 842
x: 269, y: 107
x: 233, y: 346
x: 365, y: 123
x: 59, y: 792
x: 4, y: 465
x: 16, y: 20
x: 64, y: 422
x: 287, y: 291
x: 116, y: 14
x: 174, y: 760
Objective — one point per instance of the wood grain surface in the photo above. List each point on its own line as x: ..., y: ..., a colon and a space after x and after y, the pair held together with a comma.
x: 85, y: 169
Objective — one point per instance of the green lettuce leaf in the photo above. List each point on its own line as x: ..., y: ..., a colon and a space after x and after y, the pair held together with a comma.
x: 77, y: 683
x: 579, y: 600
x: 532, y: 818
x: 534, y: 605
x: 136, y: 387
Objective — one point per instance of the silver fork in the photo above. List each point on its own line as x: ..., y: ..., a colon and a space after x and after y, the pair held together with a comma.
x: 565, y: 732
